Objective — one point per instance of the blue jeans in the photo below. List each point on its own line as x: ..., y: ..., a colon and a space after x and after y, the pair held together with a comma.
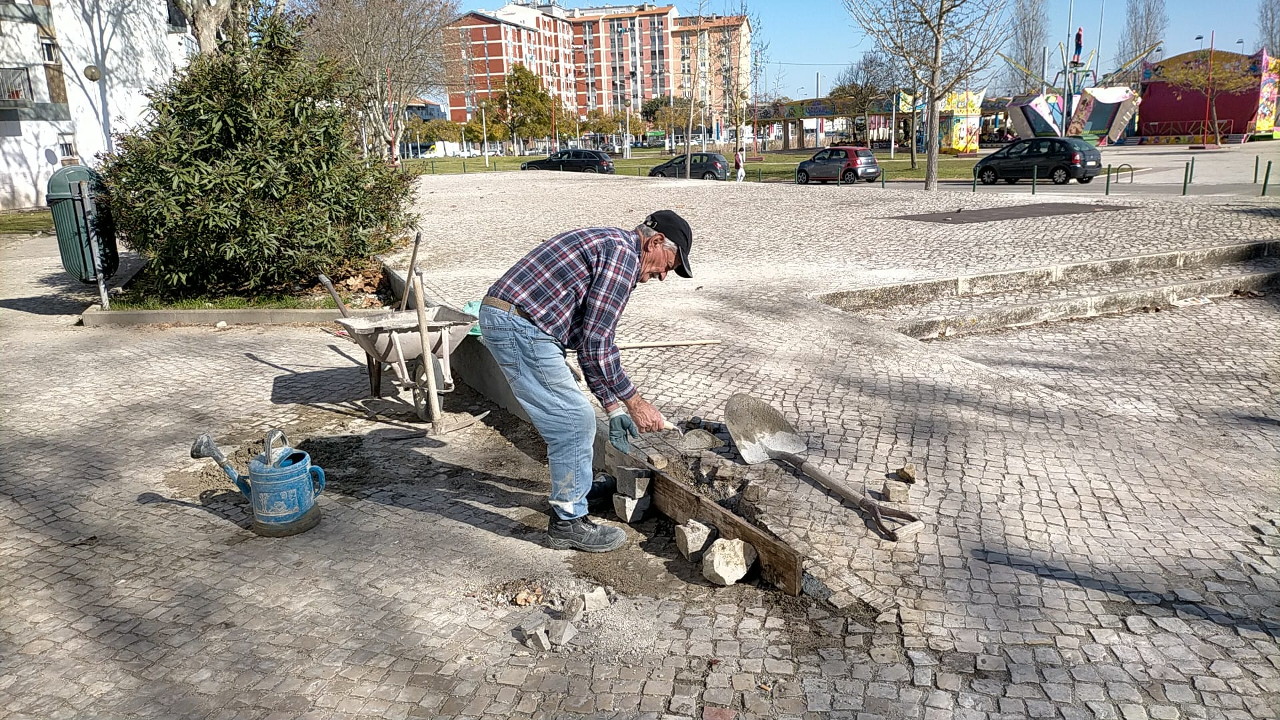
x: 534, y: 365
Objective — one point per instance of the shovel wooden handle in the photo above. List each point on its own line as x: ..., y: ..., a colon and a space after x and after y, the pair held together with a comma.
x: 875, y: 510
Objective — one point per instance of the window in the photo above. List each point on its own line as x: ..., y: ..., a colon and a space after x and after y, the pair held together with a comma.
x: 48, y: 50
x: 66, y: 145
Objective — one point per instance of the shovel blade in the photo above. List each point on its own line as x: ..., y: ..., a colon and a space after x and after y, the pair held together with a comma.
x: 759, y: 431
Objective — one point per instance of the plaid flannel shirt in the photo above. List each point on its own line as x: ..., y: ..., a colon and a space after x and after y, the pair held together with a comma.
x: 575, y: 286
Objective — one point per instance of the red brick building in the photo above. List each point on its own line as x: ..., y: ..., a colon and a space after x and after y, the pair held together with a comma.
x: 587, y: 58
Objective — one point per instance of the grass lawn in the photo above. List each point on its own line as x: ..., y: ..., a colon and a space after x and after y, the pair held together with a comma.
x: 26, y: 221
x: 274, y: 302
x: 777, y: 166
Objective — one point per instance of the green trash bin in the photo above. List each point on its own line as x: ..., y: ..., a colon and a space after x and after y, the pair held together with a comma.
x: 71, y: 222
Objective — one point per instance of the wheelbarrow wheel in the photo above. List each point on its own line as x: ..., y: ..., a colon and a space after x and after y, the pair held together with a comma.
x: 420, y: 404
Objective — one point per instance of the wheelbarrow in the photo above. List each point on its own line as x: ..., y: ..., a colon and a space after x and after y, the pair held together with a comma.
x: 761, y: 433
x: 394, y: 338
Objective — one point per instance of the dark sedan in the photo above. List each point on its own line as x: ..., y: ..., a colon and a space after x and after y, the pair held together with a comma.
x: 708, y: 166
x: 1059, y: 160
x: 587, y: 161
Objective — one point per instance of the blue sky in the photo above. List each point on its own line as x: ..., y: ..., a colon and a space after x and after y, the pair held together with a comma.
x: 820, y: 37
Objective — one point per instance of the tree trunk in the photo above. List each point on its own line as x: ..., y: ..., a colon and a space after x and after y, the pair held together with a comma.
x: 205, y: 27
x: 935, y: 81
x: 913, y: 123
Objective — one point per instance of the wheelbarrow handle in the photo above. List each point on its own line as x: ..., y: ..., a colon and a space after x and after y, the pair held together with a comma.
x: 328, y: 285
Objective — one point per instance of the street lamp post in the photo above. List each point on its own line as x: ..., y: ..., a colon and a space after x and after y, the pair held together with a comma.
x: 484, y: 131
x: 626, y: 150
x: 1201, y: 39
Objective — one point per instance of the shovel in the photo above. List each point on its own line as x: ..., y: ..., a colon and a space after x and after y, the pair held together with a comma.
x: 761, y: 433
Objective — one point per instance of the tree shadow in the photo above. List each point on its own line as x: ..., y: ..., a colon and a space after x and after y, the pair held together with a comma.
x: 1139, y: 595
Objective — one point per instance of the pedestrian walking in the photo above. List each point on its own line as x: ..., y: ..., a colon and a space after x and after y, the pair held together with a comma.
x: 740, y: 164
x: 568, y: 293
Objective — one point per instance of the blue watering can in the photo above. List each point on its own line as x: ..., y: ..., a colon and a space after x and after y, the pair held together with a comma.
x: 282, y: 485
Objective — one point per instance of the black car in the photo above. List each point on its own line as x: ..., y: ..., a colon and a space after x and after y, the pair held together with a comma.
x: 587, y: 161
x: 1057, y: 159
x: 708, y: 166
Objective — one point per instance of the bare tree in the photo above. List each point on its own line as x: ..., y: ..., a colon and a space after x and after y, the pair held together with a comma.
x: 865, y: 80
x: 696, y: 62
x: 214, y: 22
x: 941, y: 43
x: 1028, y: 36
x: 1269, y: 25
x: 393, y: 46
x: 735, y: 55
x: 1145, y: 23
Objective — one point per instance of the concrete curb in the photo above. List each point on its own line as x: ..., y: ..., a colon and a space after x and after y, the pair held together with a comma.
x: 926, y: 290
x: 1083, y: 307
x: 95, y: 316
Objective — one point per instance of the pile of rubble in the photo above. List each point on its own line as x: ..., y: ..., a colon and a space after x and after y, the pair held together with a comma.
x: 546, y: 633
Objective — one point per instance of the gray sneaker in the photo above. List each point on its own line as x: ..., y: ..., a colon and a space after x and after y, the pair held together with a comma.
x: 581, y: 533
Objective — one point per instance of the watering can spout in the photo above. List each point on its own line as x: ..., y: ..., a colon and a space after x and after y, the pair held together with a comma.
x: 204, y: 447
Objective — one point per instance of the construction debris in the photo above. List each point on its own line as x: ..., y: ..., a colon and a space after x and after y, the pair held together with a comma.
x: 727, y: 561
x: 633, y: 482
x: 597, y: 599
x: 630, y: 510
x: 896, y: 492
x: 693, y: 538
x: 573, y: 611
x: 907, y: 473
x: 560, y: 632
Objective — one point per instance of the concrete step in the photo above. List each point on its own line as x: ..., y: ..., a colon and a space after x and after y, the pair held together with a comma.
x: 924, y: 291
x: 961, y: 314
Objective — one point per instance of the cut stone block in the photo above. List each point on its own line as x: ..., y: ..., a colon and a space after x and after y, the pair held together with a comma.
x: 658, y: 460
x: 538, y: 639
x: 699, y: 439
x: 630, y: 510
x: 907, y: 473
x: 727, y: 561
x: 633, y: 482
x: 560, y: 632
x: 573, y: 611
x: 595, y: 600
x: 896, y: 492
x: 693, y: 538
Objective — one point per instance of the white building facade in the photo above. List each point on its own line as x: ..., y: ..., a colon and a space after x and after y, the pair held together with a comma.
x: 73, y: 74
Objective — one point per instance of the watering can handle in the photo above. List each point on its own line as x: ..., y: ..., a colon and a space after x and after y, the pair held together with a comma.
x: 269, y: 442
x: 318, y: 476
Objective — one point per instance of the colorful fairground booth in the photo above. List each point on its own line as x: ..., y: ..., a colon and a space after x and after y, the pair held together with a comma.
x: 959, y: 126
x: 1173, y: 116
x: 1098, y: 114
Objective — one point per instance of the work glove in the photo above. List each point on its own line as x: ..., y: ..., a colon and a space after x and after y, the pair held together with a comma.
x: 621, y: 428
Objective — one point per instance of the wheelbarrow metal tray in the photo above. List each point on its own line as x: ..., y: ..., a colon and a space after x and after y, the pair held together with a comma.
x: 373, y: 332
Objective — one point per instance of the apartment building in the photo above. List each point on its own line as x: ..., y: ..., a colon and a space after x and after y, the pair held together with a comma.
x: 718, y: 49
x: 73, y: 74
x: 604, y: 57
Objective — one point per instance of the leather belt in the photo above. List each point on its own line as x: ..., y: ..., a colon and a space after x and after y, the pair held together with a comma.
x: 505, y: 306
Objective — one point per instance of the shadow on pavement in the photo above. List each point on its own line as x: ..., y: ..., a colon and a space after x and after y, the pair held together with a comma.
x: 1139, y: 595
x: 45, y: 305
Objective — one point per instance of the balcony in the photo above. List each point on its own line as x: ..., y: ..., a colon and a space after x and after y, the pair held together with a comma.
x: 15, y: 88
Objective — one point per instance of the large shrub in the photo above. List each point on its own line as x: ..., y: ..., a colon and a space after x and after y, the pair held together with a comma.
x: 247, y: 175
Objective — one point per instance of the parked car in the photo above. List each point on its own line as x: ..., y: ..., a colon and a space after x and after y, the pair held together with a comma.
x: 587, y: 161
x: 1060, y: 160
x: 708, y: 166
x: 845, y: 163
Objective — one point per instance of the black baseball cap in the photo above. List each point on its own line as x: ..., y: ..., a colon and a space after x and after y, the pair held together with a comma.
x: 675, y: 229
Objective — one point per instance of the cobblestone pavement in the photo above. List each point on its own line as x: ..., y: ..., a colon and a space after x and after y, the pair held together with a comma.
x: 1078, y: 562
